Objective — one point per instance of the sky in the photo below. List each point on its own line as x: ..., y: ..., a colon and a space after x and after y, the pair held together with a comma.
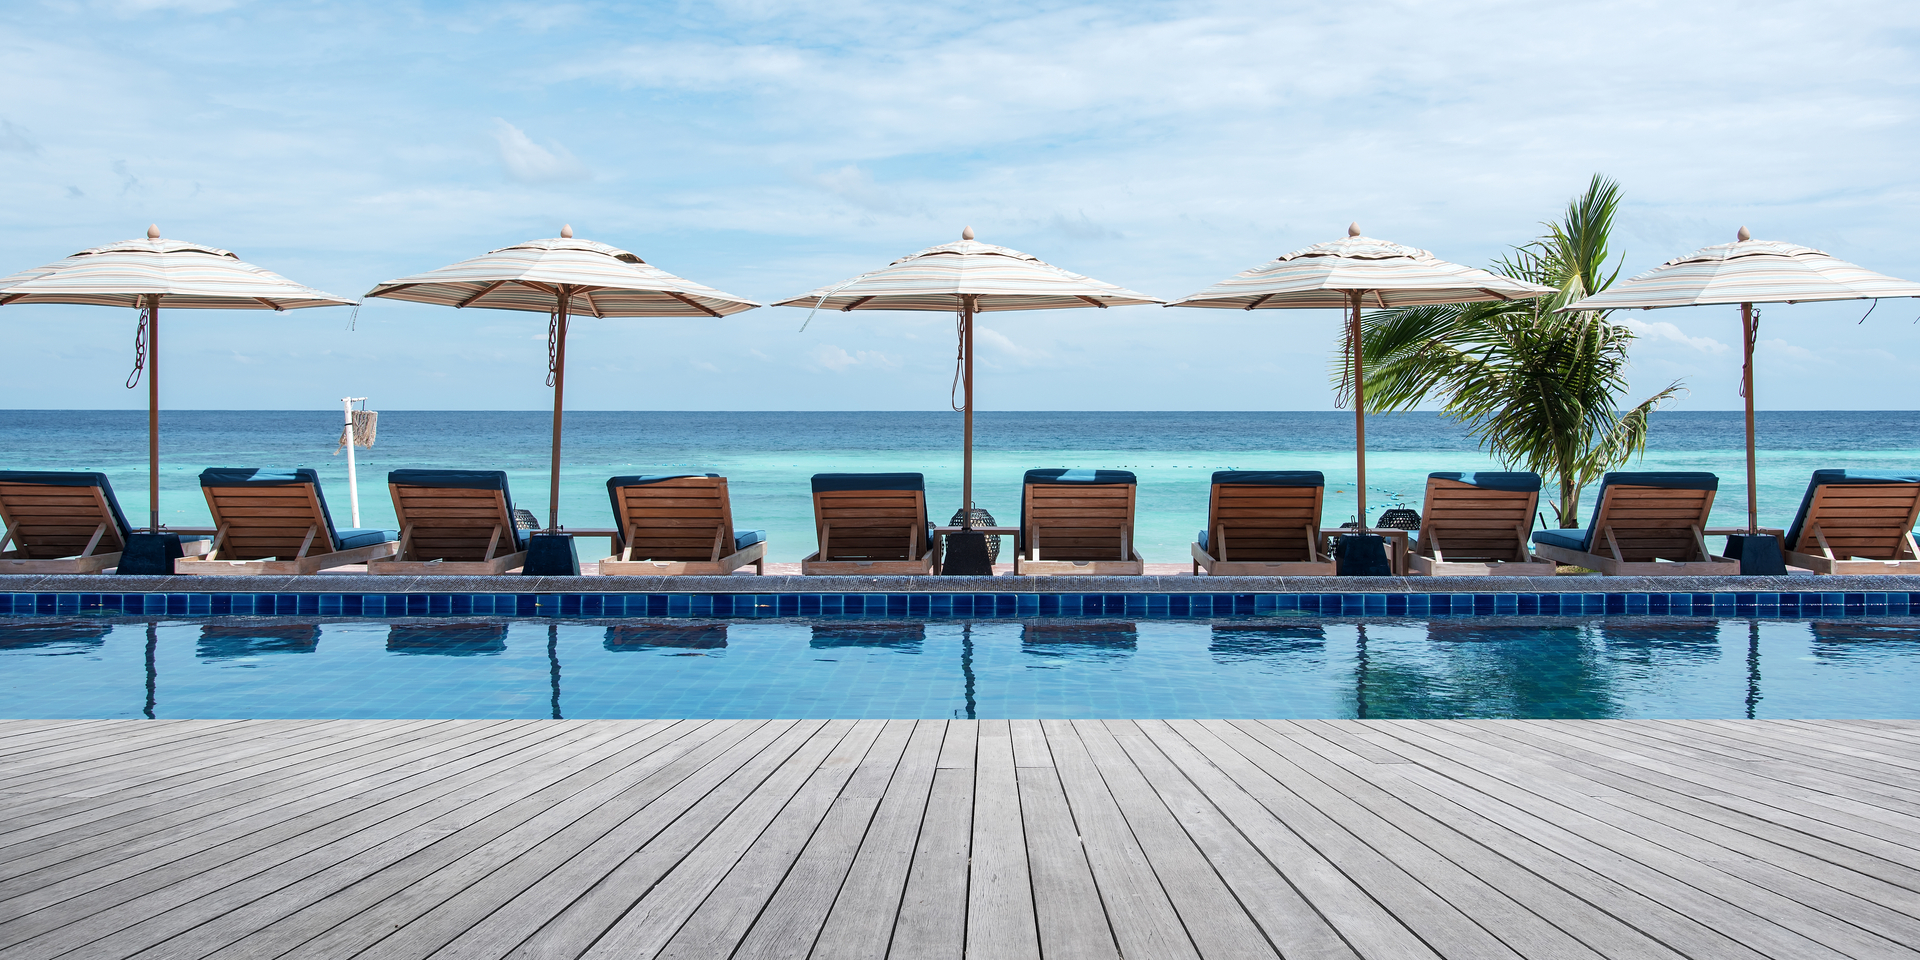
x: 767, y: 148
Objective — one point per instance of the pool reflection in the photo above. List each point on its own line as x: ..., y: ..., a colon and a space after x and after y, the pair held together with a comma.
x: 470, y: 639
x: 901, y: 636
x: 1079, y: 639
x: 254, y: 640
x: 628, y: 638
x: 80, y: 635
x: 1240, y: 642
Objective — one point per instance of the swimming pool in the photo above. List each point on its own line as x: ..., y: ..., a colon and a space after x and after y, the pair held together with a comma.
x: 1300, y: 666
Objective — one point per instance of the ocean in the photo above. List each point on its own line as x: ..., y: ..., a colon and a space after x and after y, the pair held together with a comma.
x: 767, y: 457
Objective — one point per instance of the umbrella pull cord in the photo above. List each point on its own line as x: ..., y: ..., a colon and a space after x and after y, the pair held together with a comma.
x: 139, y: 349
x: 553, y: 345
x: 959, y: 358
x: 1753, y: 336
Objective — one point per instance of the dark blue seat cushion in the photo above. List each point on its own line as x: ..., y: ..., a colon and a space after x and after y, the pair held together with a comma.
x: 836, y: 482
x: 53, y: 478
x: 1271, y: 478
x: 460, y: 480
x: 743, y: 539
x: 1521, y: 481
x: 280, y: 477
x: 1057, y: 475
x: 1823, y: 478
x: 1583, y: 541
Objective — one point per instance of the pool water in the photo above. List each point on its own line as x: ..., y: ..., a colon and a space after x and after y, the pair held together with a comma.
x: 1627, y: 667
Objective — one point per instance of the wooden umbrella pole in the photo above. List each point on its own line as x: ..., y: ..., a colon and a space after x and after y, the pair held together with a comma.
x: 966, y: 377
x: 559, y: 394
x: 153, y: 410
x: 1747, y: 332
x: 1359, y: 414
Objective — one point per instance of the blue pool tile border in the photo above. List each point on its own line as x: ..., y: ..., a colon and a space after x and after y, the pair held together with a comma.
x: 947, y: 606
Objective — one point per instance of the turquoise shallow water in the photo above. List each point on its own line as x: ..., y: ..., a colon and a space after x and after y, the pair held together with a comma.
x: 769, y: 456
x: 1630, y: 667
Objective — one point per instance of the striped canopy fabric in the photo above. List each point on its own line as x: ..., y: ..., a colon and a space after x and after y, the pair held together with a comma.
x: 1748, y: 271
x: 998, y: 278
x: 604, y: 281
x: 181, y: 274
x: 1325, y: 276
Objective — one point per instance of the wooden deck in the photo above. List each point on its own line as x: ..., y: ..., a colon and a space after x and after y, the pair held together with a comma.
x: 930, y: 839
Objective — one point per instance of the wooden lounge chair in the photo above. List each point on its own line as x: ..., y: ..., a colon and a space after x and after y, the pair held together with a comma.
x: 452, y: 523
x: 276, y: 522
x: 1077, y: 522
x: 1476, y: 525
x: 59, y: 522
x: 1852, y: 522
x: 1263, y: 523
x: 871, y: 523
x: 1644, y: 525
x: 678, y: 525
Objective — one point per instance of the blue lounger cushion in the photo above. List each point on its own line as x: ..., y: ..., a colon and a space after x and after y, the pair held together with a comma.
x: 462, y: 480
x: 1270, y: 478
x: 1056, y: 475
x: 836, y: 482
x: 1822, y: 478
x: 1583, y: 540
x: 1520, y: 481
x: 743, y: 539
x: 346, y: 539
x: 53, y: 478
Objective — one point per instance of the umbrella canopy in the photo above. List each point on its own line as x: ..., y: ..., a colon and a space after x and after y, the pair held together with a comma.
x: 563, y: 277
x: 1350, y: 274
x: 1746, y: 272
x: 966, y: 278
x: 147, y: 273
x: 601, y: 280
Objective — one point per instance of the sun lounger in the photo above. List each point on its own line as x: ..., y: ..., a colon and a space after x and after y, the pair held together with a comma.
x: 871, y: 523
x: 1644, y: 525
x: 452, y: 523
x: 276, y: 522
x: 1476, y: 525
x: 1263, y: 523
x: 678, y: 525
x: 1077, y: 522
x: 59, y: 522
x: 1852, y: 522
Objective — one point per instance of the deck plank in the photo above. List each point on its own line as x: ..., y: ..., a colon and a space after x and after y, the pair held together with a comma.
x: 1322, y: 839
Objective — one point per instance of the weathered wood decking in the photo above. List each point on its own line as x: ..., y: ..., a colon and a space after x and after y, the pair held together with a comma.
x: 927, y: 839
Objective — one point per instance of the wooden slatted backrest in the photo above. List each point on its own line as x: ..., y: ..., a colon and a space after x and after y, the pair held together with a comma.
x: 1475, y: 523
x: 1651, y: 523
x: 1246, y: 522
x: 870, y: 524
x: 682, y: 518
x: 1078, y: 521
x: 51, y: 521
x: 268, y: 522
x: 1866, y: 520
x: 452, y: 523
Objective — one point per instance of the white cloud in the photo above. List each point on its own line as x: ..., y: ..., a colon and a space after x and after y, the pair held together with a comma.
x: 532, y: 163
x: 1000, y: 343
x: 837, y: 359
x: 135, y: 7
x: 1664, y: 331
x: 857, y: 187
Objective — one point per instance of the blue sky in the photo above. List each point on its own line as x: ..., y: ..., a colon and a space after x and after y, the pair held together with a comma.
x: 765, y: 147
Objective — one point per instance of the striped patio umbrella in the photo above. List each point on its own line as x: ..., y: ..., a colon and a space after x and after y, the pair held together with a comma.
x: 1746, y: 272
x: 563, y: 277
x: 966, y: 278
x: 1350, y: 274
x: 145, y: 274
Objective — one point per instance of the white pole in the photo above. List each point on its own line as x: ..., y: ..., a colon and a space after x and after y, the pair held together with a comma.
x: 353, y: 476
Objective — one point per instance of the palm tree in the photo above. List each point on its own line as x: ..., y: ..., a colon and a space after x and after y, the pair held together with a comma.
x: 1540, y: 389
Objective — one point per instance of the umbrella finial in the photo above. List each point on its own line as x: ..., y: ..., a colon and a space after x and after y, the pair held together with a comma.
x: 966, y: 234
x: 153, y: 231
x: 566, y: 231
x: 1353, y: 229
x: 1744, y: 234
